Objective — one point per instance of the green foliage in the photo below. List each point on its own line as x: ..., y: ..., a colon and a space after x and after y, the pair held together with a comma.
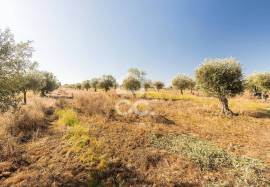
x: 67, y: 117
x: 259, y: 82
x: 220, y: 77
x: 33, y: 80
x: 107, y: 82
x: 132, y: 84
x: 86, y: 84
x: 147, y: 84
x: 136, y: 73
x: 94, y: 83
x: 78, y: 86
x: 183, y: 82
x: 158, y: 85
x: 15, y: 60
x: 50, y: 83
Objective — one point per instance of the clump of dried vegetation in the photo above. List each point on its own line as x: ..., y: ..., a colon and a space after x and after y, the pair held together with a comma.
x: 30, y: 120
x: 93, y: 103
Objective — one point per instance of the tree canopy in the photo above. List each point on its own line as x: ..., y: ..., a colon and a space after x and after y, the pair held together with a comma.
x: 259, y: 82
x: 132, y: 84
x: 158, y: 85
x: 183, y: 82
x: 107, y: 82
x: 221, y: 78
x: 15, y: 61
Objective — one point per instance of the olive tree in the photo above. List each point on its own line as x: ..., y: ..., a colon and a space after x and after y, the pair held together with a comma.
x: 147, y: 84
x: 50, y: 83
x: 94, y: 83
x: 191, y: 85
x: 15, y: 60
x: 136, y: 73
x: 182, y: 82
x: 78, y: 86
x: 221, y: 78
x: 259, y: 82
x: 158, y: 85
x: 132, y: 84
x: 86, y: 85
x: 32, y: 80
x: 107, y: 82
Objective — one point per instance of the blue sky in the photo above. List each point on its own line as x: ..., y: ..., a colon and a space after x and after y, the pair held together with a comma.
x: 81, y: 39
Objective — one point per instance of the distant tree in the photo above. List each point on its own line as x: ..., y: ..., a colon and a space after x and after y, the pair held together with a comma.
x: 15, y: 60
x: 158, y: 85
x: 221, y: 78
x: 78, y: 86
x: 94, y: 83
x: 147, y: 84
x: 259, y: 82
x: 136, y: 73
x: 182, y: 82
x: 132, y: 84
x: 32, y: 80
x: 86, y: 85
x: 107, y: 82
x: 191, y: 85
x: 50, y: 83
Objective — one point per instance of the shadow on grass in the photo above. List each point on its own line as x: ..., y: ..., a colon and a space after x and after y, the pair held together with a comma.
x: 117, y: 174
x: 261, y: 113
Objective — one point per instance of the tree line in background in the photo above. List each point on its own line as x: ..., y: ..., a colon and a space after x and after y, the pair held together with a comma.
x: 220, y: 78
x: 19, y: 74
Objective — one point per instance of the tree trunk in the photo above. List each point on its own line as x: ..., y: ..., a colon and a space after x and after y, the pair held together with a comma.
x: 225, y: 106
x: 95, y: 89
x: 24, y: 97
x: 133, y: 93
x: 42, y: 93
x: 181, y: 92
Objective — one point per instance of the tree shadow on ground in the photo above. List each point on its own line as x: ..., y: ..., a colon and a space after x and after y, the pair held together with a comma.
x: 261, y: 113
x: 117, y: 174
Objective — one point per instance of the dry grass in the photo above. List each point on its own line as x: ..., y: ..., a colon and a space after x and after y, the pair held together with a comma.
x: 93, y: 103
x: 30, y: 120
x: 212, y: 157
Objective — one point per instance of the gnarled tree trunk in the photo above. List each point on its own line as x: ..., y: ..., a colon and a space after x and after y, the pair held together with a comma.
x: 225, y: 106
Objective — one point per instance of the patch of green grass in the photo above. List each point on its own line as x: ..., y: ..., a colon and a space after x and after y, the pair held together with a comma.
x: 67, y: 117
x: 87, y: 148
x: 208, y: 157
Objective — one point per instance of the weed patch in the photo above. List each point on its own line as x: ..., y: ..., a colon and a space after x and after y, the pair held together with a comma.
x: 88, y: 149
x: 67, y: 117
x: 247, y: 171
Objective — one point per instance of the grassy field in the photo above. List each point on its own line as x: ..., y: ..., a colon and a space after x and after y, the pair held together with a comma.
x: 169, y: 140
